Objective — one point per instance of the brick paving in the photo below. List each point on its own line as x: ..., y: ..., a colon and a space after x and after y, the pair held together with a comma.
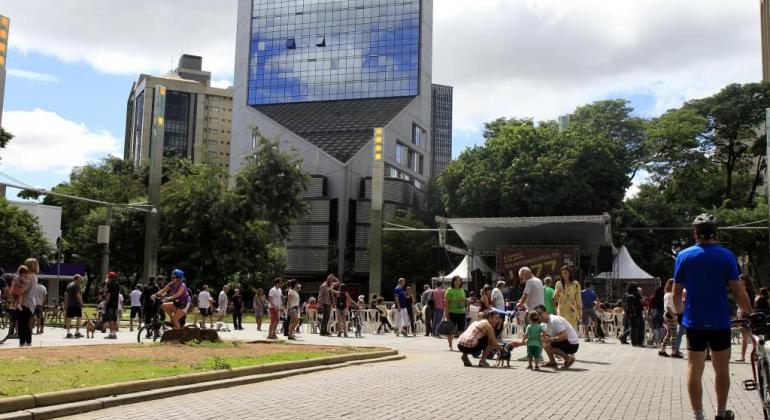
x: 609, y: 381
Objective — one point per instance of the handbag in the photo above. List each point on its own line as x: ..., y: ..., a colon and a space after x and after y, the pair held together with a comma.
x: 446, y: 327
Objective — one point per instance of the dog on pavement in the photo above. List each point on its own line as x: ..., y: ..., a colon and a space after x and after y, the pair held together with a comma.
x: 504, y: 355
x: 90, y: 329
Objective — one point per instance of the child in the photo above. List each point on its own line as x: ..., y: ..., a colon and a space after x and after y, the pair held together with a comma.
x: 532, y: 338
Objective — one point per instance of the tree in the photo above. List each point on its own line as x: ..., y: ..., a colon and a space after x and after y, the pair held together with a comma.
x: 407, y: 253
x: 22, y: 236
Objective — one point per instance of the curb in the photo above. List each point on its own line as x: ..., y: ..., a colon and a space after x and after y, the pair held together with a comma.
x: 38, y: 405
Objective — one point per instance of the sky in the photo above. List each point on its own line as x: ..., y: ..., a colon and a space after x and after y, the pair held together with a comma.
x: 69, y: 78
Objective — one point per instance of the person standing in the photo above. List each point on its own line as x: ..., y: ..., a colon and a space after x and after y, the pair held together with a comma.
x: 275, y: 301
x: 148, y: 302
x: 669, y: 319
x: 704, y: 270
x: 260, y: 304
x: 656, y: 315
x: 292, y: 301
x: 534, y: 293
x: 456, y: 307
x: 111, y: 305
x: 497, y: 299
x: 548, y: 293
x: 533, y: 340
x: 567, y: 296
x: 40, y: 300
x: 632, y: 303
x: 237, y: 303
x: 204, y: 307
x: 428, y: 304
x: 399, y: 298
x: 326, y: 301
x: 589, y: 302
x: 222, y: 303
x: 410, y: 309
x: 136, y: 307
x: 746, y: 280
x: 439, y: 303
x: 73, y: 304
x: 28, y: 302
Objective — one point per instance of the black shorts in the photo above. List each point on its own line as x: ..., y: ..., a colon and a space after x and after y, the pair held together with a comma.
x: 458, y: 320
x: 110, y: 315
x: 205, y: 311
x: 716, y: 340
x: 74, y: 312
x: 480, y: 346
x: 565, y: 346
x: 136, y: 312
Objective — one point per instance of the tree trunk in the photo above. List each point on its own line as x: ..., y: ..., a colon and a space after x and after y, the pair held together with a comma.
x: 761, y: 165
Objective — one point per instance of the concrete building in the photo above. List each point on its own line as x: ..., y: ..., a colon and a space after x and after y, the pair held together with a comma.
x: 197, y: 117
x: 5, y: 24
x: 49, y: 218
x: 321, y: 76
x: 441, y: 127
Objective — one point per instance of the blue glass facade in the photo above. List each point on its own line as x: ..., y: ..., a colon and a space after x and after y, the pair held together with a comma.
x: 325, y: 50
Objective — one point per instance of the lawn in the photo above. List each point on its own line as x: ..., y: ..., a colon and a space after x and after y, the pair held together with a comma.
x: 36, y: 370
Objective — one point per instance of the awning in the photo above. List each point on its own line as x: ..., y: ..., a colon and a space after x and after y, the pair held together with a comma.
x: 486, y: 234
x: 627, y: 269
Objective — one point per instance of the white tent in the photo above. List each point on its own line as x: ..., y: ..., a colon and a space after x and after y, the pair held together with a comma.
x: 464, y: 269
x: 626, y: 268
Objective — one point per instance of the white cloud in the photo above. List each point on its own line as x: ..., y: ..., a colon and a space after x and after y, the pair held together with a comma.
x: 33, y: 76
x: 45, y: 142
x: 127, y: 37
x: 222, y: 84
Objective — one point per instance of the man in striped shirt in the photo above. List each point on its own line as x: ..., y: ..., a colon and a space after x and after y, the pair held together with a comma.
x: 325, y: 301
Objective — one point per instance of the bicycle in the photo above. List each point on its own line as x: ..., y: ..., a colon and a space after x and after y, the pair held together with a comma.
x: 153, y: 330
x: 53, y: 315
x: 757, y: 324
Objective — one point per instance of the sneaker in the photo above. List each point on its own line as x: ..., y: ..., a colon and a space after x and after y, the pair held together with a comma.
x: 728, y: 416
x: 587, y: 340
x: 677, y: 355
x: 69, y: 335
x: 663, y: 353
x: 78, y: 335
x: 110, y: 337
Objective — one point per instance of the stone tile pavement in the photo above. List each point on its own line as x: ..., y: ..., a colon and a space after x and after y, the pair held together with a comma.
x: 609, y: 381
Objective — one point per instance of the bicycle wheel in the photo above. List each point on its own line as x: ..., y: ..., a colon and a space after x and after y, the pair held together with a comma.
x: 762, y: 385
x: 151, y: 333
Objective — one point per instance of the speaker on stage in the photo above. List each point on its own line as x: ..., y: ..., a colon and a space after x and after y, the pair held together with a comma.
x: 604, y: 260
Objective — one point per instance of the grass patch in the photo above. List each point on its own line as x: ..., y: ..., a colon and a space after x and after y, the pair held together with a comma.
x: 29, y: 373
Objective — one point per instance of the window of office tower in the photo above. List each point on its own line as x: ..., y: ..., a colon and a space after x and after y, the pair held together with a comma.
x: 323, y: 50
x: 177, y: 121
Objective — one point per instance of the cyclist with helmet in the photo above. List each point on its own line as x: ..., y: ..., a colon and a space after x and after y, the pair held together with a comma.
x: 178, y: 300
x: 705, y: 271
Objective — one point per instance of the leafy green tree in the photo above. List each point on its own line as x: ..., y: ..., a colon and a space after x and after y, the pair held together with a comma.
x: 22, y: 236
x: 407, y: 254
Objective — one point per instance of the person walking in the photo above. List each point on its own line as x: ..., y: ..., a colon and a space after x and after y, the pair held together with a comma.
x: 326, y: 301
x: 41, y: 298
x: 275, y: 301
x: 204, y: 307
x: 342, y: 304
x: 704, y: 270
x: 237, y: 302
x: 148, y: 302
x: 746, y: 281
x: 497, y: 299
x: 136, y: 308
x: 382, y: 311
x: 569, y: 304
x: 456, y: 307
x: 428, y: 305
x: 73, y: 304
x: 548, y: 293
x: 669, y: 319
x: 111, y: 305
x: 656, y: 315
x: 402, y: 314
x: 439, y: 304
x: 533, y: 340
x: 260, y: 303
x: 589, y: 302
x: 27, y: 285
x: 292, y: 301
x: 632, y: 303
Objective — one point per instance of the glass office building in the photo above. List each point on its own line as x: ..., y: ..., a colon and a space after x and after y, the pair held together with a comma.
x: 326, y: 50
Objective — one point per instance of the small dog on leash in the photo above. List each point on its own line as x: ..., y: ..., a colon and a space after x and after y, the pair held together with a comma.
x: 90, y: 329
x: 504, y: 355
x: 222, y: 327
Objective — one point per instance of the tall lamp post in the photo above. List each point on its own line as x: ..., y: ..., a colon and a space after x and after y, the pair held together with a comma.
x: 375, y: 232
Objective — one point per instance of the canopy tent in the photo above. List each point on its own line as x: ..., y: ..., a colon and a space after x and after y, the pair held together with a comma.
x: 626, y: 268
x: 464, y: 269
x: 485, y: 235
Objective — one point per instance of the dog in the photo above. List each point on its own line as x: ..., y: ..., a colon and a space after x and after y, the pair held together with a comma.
x: 222, y: 327
x: 504, y: 355
x: 90, y: 329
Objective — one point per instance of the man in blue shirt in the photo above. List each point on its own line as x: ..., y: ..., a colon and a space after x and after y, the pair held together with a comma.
x: 589, y: 299
x: 402, y: 316
x: 705, y: 271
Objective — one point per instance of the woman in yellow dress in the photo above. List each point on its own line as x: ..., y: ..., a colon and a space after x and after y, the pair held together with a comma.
x: 567, y: 297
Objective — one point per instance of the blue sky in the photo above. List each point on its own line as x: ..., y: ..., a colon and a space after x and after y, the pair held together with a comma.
x: 69, y: 78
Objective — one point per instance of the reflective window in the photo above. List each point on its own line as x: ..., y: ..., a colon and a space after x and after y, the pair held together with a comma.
x: 138, y: 126
x: 314, y: 50
x: 177, y: 122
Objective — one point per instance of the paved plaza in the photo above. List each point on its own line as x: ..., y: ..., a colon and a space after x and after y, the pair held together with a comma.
x: 609, y: 381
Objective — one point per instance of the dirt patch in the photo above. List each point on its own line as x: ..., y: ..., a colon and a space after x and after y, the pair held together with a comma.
x: 171, y: 353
